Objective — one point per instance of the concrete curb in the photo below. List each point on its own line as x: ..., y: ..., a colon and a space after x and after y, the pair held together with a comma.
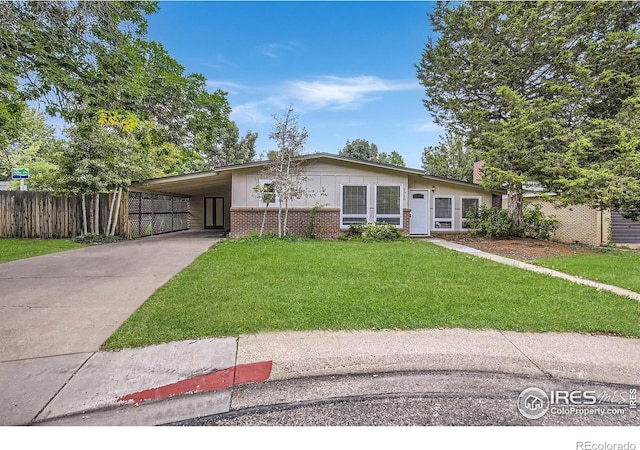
x: 532, y: 268
x: 86, y: 389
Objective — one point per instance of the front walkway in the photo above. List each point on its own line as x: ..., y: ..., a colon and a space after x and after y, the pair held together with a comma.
x: 543, y: 270
x: 71, y: 302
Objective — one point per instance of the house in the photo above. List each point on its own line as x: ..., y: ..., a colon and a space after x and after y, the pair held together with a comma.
x: 356, y: 191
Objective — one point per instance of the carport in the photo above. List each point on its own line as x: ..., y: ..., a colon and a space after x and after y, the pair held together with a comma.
x: 195, y: 201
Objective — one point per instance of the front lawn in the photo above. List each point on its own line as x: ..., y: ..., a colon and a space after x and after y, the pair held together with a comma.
x: 251, y: 286
x: 619, y: 268
x: 12, y: 249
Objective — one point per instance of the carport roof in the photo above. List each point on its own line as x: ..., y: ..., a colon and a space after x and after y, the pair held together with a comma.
x: 220, y: 177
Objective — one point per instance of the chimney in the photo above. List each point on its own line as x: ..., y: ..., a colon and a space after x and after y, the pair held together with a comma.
x: 477, y: 171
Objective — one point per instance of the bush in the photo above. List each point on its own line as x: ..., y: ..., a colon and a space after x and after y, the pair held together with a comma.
x: 495, y: 222
x: 492, y: 222
x: 376, y: 231
x: 536, y: 225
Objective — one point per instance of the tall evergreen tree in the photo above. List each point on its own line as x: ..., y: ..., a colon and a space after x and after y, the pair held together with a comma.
x: 537, y: 88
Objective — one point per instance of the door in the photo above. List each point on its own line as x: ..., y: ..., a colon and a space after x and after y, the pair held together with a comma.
x: 419, y: 205
x: 214, y: 212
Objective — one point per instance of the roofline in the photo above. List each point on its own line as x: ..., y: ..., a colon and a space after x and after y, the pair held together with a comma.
x: 252, y: 164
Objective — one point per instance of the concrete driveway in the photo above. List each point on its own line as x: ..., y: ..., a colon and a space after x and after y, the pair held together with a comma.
x: 71, y: 302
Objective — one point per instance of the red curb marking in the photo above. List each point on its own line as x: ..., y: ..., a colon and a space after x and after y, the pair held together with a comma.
x: 214, y: 381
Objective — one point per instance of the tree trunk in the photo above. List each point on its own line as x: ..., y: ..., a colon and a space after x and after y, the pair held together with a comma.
x: 514, y: 206
x: 84, y: 216
x: 96, y: 213
x: 115, y: 219
x: 280, y: 219
x: 286, y: 215
x: 107, y: 232
x: 264, y: 220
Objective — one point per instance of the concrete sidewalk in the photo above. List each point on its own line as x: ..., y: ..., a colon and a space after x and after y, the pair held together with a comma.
x: 71, y: 302
x: 182, y: 380
x: 533, y: 268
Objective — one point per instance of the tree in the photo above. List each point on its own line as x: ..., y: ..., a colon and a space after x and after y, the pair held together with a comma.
x: 360, y: 149
x: 394, y: 158
x: 60, y: 49
x: 33, y: 147
x: 288, y: 182
x: 527, y: 83
x: 229, y: 148
x: 449, y: 159
x: 12, y: 109
x: 81, y: 58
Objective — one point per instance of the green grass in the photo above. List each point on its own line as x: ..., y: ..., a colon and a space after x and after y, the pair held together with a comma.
x: 618, y: 268
x: 250, y: 286
x: 12, y: 249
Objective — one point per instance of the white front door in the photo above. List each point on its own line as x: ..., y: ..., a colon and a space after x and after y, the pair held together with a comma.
x: 419, y: 205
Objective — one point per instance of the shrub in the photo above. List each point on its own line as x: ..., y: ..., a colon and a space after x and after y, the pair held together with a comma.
x: 495, y: 222
x: 376, y: 231
x: 491, y: 222
x: 536, y: 225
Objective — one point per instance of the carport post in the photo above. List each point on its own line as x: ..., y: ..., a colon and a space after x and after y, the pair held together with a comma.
x: 140, y: 214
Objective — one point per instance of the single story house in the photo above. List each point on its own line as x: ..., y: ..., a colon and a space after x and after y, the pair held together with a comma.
x: 355, y: 191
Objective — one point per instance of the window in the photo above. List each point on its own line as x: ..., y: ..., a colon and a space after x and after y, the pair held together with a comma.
x: 443, y: 214
x: 389, y: 204
x: 267, y: 194
x: 468, y: 205
x: 354, y: 204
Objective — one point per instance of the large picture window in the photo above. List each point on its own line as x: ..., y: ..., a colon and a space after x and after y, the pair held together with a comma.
x: 443, y: 213
x: 468, y: 205
x: 389, y: 204
x: 354, y: 204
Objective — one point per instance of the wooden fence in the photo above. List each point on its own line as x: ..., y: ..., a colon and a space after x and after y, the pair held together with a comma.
x: 44, y: 215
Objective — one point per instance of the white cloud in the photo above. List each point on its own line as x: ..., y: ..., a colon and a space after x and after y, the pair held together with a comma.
x: 258, y: 112
x: 274, y: 50
x: 229, y: 86
x: 219, y: 62
x: 325, y: 92
x: 427, y: 127
x: 342, y: 93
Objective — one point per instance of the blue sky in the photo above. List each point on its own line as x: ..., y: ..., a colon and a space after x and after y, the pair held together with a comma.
x: 346, y: 68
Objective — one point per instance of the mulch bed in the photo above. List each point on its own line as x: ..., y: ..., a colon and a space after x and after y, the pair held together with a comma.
x: 523, y: 249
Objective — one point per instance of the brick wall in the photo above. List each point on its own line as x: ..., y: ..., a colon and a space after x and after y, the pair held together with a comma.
x: 477, y: 171
x: 244, y: 221
x: 406, y: 217
x: 578, y: 223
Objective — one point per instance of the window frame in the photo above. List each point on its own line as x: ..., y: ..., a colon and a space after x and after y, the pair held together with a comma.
x: 463, y: 197
x: 262, y: 203
x: 367, y: 204
x: 445, y: 219
x: 400, y: 214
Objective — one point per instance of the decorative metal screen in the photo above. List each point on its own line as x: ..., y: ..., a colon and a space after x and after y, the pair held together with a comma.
x: 151, y: 214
